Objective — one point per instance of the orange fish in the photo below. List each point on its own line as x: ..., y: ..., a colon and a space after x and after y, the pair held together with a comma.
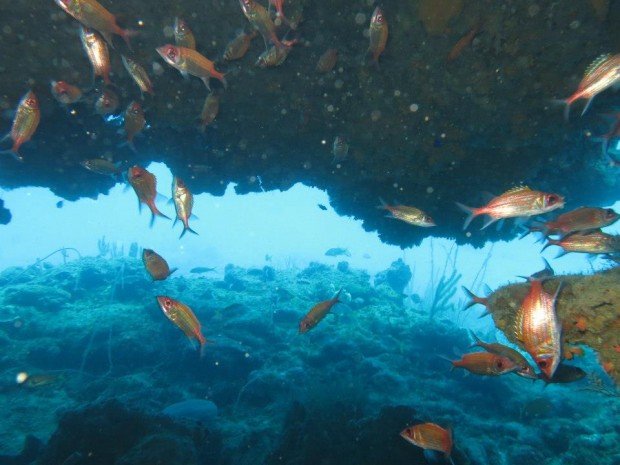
x: 107, y: 103
x: 139, y: 75
x: 145, y: 186
x: 209, y: 112
x: 97, y: 52
x: 327, y: 61
x: 602, y: 73
x: 156, y: 266
x: 520, y: 201
x: 524, y: 369
x: 317, y: 313
x: 259, y: 17
x: 538, y: 328
x: 93, y: 15
x: 582, y: 219
x: 134, y: 122
x: 65, y: 93
x: 25, y: 124
x: 464, y: 42
x: 485, y: 363
x: 595, y: 242
x: 183, y: 204
x: 430, y: 436
x: 378, y: 35
x: 238, y: 47
x: 183, y: 35
x: 189, y: 61
x: 183, y: 317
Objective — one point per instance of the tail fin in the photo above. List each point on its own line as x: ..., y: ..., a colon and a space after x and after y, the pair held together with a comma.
x: 550, y: 242
x: 126, y: 34
x: 443, y: 357
x: 186, y: 229
x: 336, y: 298
x: 155, y: 212
x: 474, y: 299
x: 471, y: 214
x: 14, y: 153
x: 477, y: 340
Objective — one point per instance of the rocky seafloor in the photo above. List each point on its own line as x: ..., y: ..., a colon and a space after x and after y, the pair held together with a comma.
x: 110, y: 363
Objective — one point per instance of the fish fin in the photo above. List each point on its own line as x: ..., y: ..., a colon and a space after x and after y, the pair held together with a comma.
x: 487, y: 289
x: 107, y: 37
x: 557, y: 291
x: 488, y: 222
x: 487, y: 196
x: 549, y: 243
x: 15, y: 154
x: 185, y: 74
x: 485, y: 313
x: 499, y: 226
x: 172, y: 271
x: 127, y: 34
x: 561, y: 253
x: 186, y: 230
x: 5, y: 137
x: 471, y: 214
x: 588, y: 104
x: 443, y: 357
x: 474, y: 299
x: 206, y: 82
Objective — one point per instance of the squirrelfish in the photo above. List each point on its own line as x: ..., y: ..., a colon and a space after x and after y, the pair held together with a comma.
x: 156, y: 265
x: 378, y: 35
x: 209, y: 112
x: 317, y: 313
x: 183, y: 204
x: 183, y: 317
x: 107, y: 103
x: 134, y: 122
x: 595, y: 242
x: 579, y: 220
x: 259, y: 17
x: 538, y: 328
x: 139, y: 75
x: 520, y: 201
x: 275, y: 55
x: 183, y: 35
x: 25, y: 123
x: 145, y: 186
x: 189, y: 61
x: 485, y: 363
x: 102, y: 166
x: 524, y: 369
x: 602, y: 73
x: 411, y: 215
x: 429, y: 436
x: 239, y: 46
x: 93, y: 15
x: 65, y: 93
x: 97, y: 52
x: 327, y: 61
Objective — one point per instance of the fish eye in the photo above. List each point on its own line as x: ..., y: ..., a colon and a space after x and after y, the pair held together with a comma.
x: 552, y: 199
x: 171, y: 53
x: 542, y: 363
x: 499, y: 363
x: 168, y: 302
x: 609, y: 213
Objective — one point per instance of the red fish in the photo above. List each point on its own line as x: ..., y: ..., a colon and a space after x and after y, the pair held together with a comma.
x: 189, y: 61
x: 259, y: 17
x: 430, y: 436
x: 97, y: 52
x: 65, y: 93
x: 183, y: 204
x: 134, y: 122
x: 145, y: 186
x: 520, y: 201
x: 184, y: 318
x: 582, y: 219
x: 595, y: 242
x: 25, y: 123
x: 485, y: 363
x: 317, y: 313
x: 107, y: 103
x: 378, y: 35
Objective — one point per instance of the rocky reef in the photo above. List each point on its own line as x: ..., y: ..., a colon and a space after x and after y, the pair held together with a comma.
x: 421, y: 130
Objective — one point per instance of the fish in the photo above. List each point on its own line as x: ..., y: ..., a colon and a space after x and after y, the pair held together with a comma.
x: 337, y: 251
x: 184, y: 318
x: 519, y: 201
x: 134, y: 123
x: 474, y: 299
x: 209, y: 112
x: 65, y: 93
x: 189, y: 61
x: 538, y: 328
x: 139, y: 75
x: 546, y: 273
x: 464, y: 42
x: 183, y: 35
x: 410, y: 215
x: 524, y: 369
x: 601, y: 74
x: 259, y: 18
x: 238, y: 47
x: 102, y: 166
x: 279, y: 5
x: 594, y: 242
x: 145, y: 186
x: 38, y: 380
x: 156, y: 265
x: 322, y: 207
x: 612, y: 134
x: 201, y: 269
x: 317, y: 313
x: 327, y: 61
x: 485, y: 363
x: 25, y: 124
x: 183, y: 204
x: 340, y: 149
x: 430, y: 436
x: 107, y: 103
x: 275, y: 56
x: 565, y: 374
x: 582, y: 219
x: 93, y: 15
x: 97, y: 52
x: 60, y: 204
x: 378, y: 35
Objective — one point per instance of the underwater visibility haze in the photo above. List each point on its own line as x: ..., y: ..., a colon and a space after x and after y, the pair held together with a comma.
x: 300, y: 232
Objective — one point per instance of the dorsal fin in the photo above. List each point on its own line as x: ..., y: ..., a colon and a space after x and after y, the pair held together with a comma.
x: 517, y: 189
x: 598, y: 61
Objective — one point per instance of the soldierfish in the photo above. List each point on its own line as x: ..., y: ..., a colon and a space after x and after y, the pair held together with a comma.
x: 411, y: 215
x: 156, y: 265
x: 595, y: 242
x: 183, y: 204
x: 520, y: 201
x: 97, y: 52
x: 378, y: 35
x: 183, y: 317
x: 579, y: 220
x: 139, y: 75
x: 238, y: 47
x: 145, y: 186
x: 259, y: 17
x: 538, y: 328
x: 317, y: 313
x: 602, y: 73
x: 524, y: 368
x: 485, y: 363
x: 189, y: 61
x: 93, y: 15
x: 134, y: 123
x: 209, y: 112
x: 25, y: 124
x: 183, y: 35
x: 275, y: 56
x: 107, y: 103
x: 65, y: 93
x: 430, y: 436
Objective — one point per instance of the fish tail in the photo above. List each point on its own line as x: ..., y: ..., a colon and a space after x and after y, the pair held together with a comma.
x: 474, y: 299
x: 220, y: 77
x: 471, y: 213
x: 336, y: 298
x: 155, y: 212
x: 550, y: 242
x: 14, y: 153
x: 186, y: 229
x: 476, y: 339
x: 127, y: 34
x: 172, y: 271
x: 443, y: 357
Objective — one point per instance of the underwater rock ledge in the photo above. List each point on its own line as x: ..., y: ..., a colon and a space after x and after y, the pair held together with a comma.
x: 588, y: 307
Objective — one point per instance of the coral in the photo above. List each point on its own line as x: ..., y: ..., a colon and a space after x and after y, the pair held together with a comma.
x: 397, y: 276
